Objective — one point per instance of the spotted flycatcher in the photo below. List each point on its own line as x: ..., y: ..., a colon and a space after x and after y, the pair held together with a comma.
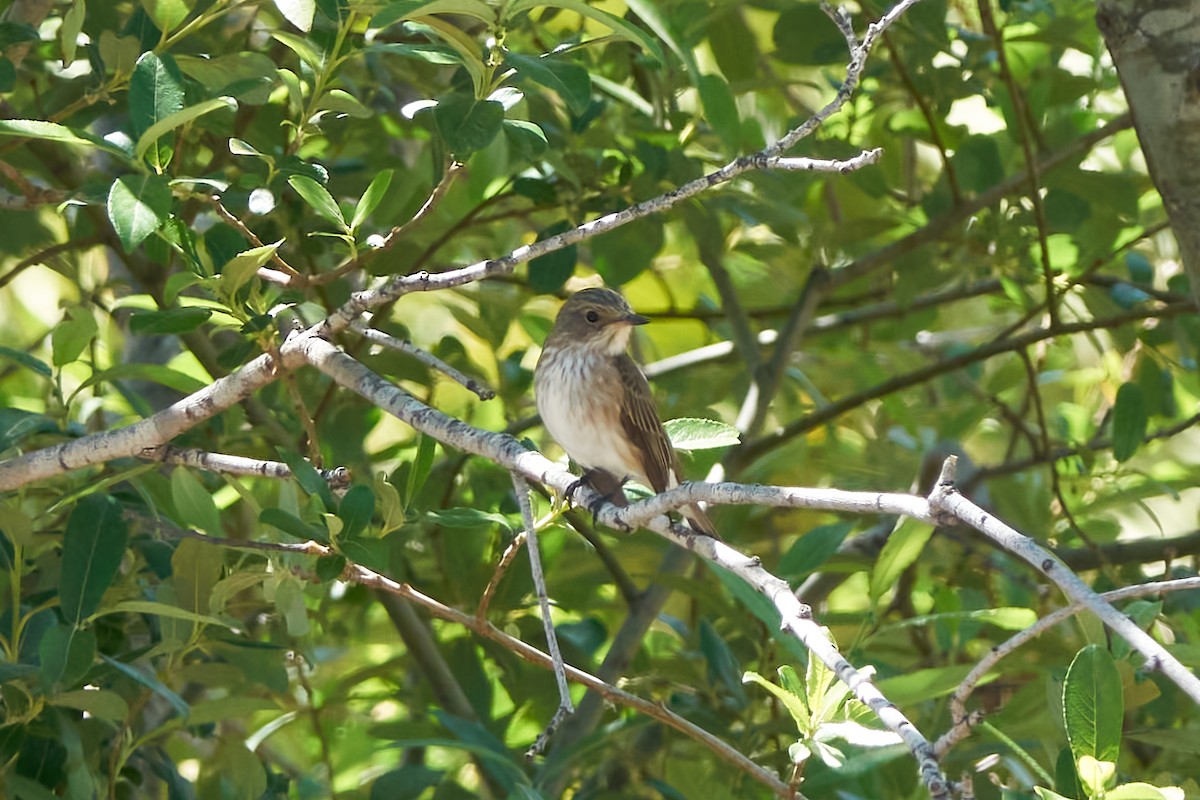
x: 596, y: 403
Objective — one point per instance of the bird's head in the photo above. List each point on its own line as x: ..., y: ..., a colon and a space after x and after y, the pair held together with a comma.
x: 596, y: 318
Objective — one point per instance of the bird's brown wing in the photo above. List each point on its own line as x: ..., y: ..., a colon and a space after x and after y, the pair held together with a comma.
x: 640, y: 420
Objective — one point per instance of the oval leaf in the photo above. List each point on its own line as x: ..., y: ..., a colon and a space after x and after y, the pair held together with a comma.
x: 93, y: 546
x: 688, y: 433
x: 137, y: 206
x: 1093, y: 704
x: 1129, y: 421
x: 319, y: 199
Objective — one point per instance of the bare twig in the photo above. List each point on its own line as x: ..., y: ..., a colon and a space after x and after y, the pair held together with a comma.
x: 964, y: 722
x: 338, y: 477
x: 285, y: 275
x: 945, y: 498
x: 565, y: 706
x: 428, y: 359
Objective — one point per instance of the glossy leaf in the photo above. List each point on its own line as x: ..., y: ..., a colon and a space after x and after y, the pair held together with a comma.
x: 138, y: 205
x: 298, y: 12
x: 371, y: 198
x: 319, y: 199
x: 570, y: 81
x: 700, y: 434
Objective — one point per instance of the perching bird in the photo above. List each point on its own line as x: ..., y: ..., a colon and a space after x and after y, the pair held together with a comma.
x: 596, y: 403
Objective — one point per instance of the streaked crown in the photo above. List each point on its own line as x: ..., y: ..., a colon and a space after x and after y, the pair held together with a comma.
x: 598, y: 318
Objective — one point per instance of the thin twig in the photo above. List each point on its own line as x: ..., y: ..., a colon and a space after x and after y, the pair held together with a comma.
x: 964, y: 722
x: 945, y: 498
x: 428, y: 359
x: 290, y: 277
x: 221, y: 463
x: 506, y: 559
x: 565, y: 706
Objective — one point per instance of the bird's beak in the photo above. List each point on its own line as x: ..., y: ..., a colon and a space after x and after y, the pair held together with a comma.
x: 634, y: 319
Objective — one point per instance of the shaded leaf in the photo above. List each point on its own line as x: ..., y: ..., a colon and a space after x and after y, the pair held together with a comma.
x: 93, y: 546
x: 467, y: 124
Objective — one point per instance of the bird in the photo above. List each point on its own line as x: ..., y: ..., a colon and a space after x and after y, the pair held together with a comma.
x: 596, y: 403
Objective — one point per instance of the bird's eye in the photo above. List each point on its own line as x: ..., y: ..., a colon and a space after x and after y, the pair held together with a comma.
x: 592, y: 316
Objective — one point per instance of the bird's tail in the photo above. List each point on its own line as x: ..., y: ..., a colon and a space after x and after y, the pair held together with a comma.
x: 699, y: 521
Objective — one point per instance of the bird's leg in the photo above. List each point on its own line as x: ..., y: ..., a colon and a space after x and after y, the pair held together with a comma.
x: 605, y: 484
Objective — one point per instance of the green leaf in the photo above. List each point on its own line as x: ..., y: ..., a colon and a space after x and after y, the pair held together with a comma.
x: 723, y: 666
x: 93, y: 546
x: 720, y: 109
x: 195, y: 569
x: 923, y: 684
x: 17, y: 424
x: 289, y: 602
x: 526, y: 138
x: 137, y: 206
x: 813, y: 549
x: 242, y: 267
x: 153, y: 373
x: 72, y: 26
x: 12, y: 33
x: 734, y: 45
x: 71, y: 336
x: 901, y: 551
x: 292, y: 525
x: 101, y: 704
x: 233, y: 707
x: 53, y: 132
x: 617, y: 25
x: 548, y: 273
x: 168, y: 321
x: 165, y: 610
x: 179, y: 119
x: 150, y: 682
x: 155, y: 93
x: 193, y: 503
x: 623, y: 254
x: 467, y: 124
x: 421, y: 466
x: 411, y: 9
x: 570, y: 81
x: 804, y: 35
x: 340, y: 101
x: 1093, y: 704
x: 792, y: 702
x: 356, y: 509
x: 468, y: 518
x: 687, y: 433
x: 167, y: 14
x: 66, y: 654
x: 301, y: 47
x: 298, y: 12
x: 1130, y: 419
x: 26, y: 360
x: 371, y: 198
x: 253, y: 73
x: 978, y: 163
x: 319, y: 199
